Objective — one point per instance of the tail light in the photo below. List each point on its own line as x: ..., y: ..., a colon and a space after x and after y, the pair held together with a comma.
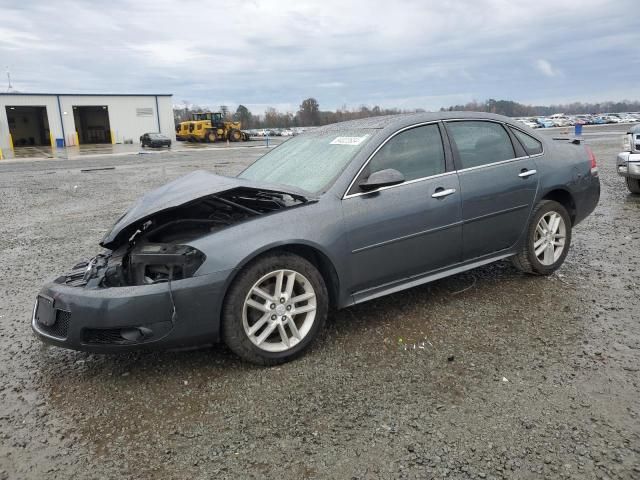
x: 592, y: 159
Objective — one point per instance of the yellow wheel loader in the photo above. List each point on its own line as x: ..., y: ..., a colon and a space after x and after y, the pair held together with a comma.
x: 211, y: 127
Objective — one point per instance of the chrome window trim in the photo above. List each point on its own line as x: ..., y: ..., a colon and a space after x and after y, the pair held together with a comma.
x: 415, y: 180
x: 532, y: 136
x: 504, y: 124
x: 364, y: 165
x: 492, y: 164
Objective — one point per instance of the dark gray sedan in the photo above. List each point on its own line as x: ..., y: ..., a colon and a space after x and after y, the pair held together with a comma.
x: 334, y: 217
x: 155, y: 140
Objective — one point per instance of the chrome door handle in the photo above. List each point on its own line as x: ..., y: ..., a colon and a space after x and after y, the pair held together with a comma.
x: 443, y: 193
x: 527, y: 173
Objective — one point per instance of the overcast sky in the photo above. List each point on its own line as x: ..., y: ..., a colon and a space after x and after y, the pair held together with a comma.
x: 406, y: 54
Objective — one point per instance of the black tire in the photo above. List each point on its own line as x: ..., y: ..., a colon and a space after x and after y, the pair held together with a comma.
x: 233, y: 333
x: 210, y: 137
x: 526, y: 260
x: 633, y: 184
x: 235, y: 135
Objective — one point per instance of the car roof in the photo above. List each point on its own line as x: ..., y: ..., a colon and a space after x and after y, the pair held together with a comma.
x: 404, y: 119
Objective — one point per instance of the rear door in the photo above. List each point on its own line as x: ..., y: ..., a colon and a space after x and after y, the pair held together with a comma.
x: 498, y: 183
x: 400, y: 231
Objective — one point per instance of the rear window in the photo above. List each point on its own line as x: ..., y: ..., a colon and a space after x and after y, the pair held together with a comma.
x: 480, y: 142
x: 530, y: 144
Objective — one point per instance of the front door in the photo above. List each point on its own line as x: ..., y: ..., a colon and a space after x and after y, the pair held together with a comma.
x: 404, y: 230
x: 498, y: 186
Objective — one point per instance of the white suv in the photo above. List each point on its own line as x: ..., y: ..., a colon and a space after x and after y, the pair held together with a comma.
x: 628, y: 162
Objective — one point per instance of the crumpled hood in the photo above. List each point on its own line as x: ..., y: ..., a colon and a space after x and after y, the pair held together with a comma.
x: 188, y: 188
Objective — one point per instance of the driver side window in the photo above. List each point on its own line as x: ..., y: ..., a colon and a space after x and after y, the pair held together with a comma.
x: 416, y: 153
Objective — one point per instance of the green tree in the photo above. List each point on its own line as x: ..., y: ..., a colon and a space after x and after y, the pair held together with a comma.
x: 309, y: 112
x: 243, y: 115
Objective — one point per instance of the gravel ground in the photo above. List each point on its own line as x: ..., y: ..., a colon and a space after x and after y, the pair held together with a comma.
x: 488, y: 374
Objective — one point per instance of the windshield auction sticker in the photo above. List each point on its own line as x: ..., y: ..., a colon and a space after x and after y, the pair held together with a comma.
x: 349, y: 140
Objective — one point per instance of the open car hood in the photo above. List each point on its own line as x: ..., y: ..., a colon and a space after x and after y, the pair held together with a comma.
x: 182, y: 191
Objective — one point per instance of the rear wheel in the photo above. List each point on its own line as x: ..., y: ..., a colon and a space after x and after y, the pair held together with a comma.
x: 274, y: 309
x: 633, y: 184
x: 548, y: 240
x: 210, y: 136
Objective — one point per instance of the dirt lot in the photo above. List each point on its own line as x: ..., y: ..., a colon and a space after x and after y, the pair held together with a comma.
x: 489, y: 374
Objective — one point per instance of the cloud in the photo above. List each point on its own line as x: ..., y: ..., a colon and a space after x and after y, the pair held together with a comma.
x: 331, y: 84
x: 546, y: 68
x: 272, y: 53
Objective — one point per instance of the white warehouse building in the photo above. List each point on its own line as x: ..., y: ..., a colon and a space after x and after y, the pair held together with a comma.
x: 45, y: 119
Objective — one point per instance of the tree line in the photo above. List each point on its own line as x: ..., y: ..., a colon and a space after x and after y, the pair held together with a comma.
x: 515, y: 109
x: 310, y: 114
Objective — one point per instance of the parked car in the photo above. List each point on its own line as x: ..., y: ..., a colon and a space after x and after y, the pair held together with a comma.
x: 545, y: 122
x: 155, y: 140
x: 337, y: 216
x: 561, y: 120
x: 628, y: 161
x: 286, y: 133
x: 610, y: 118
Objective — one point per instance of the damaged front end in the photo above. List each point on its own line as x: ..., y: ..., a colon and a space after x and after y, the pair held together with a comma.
x: 155, y: 249
x: 134, y: 292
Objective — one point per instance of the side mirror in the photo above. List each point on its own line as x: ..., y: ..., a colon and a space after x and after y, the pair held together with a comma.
x: 381, y: 178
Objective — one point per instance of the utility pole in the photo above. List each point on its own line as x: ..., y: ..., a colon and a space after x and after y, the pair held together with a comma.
x: 10, y: 87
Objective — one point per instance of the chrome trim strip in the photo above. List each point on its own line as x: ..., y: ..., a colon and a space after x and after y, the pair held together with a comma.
x: 532, y: 136
x: 406, y: 237
x: 345, y: 195
x: 415, y: 180
x: 493, y: 164
x: 34, y: 324
x: 421, y: 124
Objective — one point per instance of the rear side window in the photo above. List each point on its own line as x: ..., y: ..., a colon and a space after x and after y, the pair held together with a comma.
x: 416, y: 153
x: 480, y: 143
x: 530, y: 144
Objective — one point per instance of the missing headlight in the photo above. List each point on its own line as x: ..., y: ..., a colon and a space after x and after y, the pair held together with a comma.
x: 160, y: 262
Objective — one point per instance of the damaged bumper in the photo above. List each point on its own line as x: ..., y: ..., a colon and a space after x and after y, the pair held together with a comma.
x: 131, y: 317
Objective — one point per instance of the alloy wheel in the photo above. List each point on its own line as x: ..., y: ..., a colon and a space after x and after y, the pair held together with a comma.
x: 279, y: 310
x: 549, y: 238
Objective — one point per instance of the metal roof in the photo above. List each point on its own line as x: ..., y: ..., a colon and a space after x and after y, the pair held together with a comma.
x: 13, y: 94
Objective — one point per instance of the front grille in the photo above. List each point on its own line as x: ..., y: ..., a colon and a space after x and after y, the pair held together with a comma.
x: 60, y: 327
x: 104, y: 336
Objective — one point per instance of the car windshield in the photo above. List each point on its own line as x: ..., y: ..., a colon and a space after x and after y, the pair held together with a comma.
x: 157, y: 136
x: 311, y: 161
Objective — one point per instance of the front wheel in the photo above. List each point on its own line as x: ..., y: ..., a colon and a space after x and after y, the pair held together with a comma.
x: 274, y: 309
x: 633, y: 184
x: 548, y: 239
x: 235, y: 135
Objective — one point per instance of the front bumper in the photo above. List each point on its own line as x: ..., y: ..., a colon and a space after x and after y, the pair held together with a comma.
x: 628, y: 164
x: 131, y: 318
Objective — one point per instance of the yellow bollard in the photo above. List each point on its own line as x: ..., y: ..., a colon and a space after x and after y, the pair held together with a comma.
x: 1, y: 157
x: 53, y: 145
x: 11, y: 143
x: 113, y: 139
x: 77, y: 138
